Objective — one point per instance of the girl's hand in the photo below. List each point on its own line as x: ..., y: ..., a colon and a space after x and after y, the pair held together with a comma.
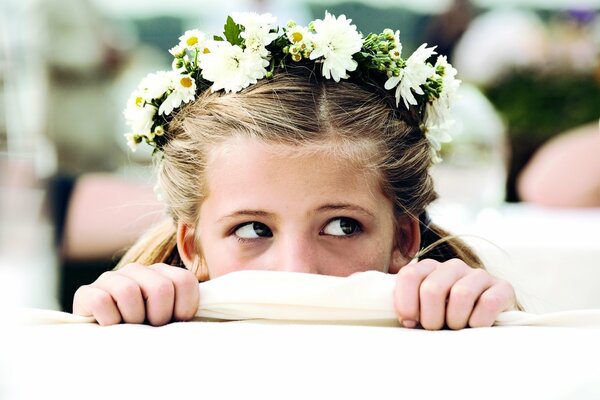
x: 136, y: 293
x: 435, y: 294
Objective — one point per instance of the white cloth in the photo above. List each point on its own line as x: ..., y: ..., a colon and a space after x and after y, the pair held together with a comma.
x: 306, y: 358
x: 363, y: 298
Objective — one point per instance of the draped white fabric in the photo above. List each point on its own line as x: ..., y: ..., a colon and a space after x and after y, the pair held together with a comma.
x: 363, y: 298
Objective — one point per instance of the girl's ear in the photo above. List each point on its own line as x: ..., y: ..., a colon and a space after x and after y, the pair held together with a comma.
x: 186, y: 245
x: 406, y: 243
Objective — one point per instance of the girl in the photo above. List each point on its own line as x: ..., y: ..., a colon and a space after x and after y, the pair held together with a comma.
x: 302, y: 149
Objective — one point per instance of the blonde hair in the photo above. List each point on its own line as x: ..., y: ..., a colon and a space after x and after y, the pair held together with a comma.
x: 297, y: 108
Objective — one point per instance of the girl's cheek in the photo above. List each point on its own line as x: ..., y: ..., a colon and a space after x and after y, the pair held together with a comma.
x: 233, y: 256
x: 362, y: 258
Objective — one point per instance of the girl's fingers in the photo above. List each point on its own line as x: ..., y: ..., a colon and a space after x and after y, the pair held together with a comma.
x: 500, y: 297
x: 464, y: 295
x: 450, y: 293
x: 136, y: 293
x: 126, y: 295
x: 186, y: 290
x: 157, y: 290
x: 94, y: 302
x: 435, y: 289
x: 406, y: 292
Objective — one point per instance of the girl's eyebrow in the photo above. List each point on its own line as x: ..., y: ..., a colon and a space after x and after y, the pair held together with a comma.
x: 324, y: 207
x: 247, y: 213
x: 346, y: 207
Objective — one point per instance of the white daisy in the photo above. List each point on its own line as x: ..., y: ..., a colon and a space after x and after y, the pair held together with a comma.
x: 412, y: 76
x: 133, y: 141
x: 155, y: 85
x: 257, y: 33
x: 183, y: 91
x: 438, y: 110
x: 336, y: 40
x: 192, y: 39
x: 230, y: 68
x: 298, y: 35
x: 396, y: 52
x: 139, y: 115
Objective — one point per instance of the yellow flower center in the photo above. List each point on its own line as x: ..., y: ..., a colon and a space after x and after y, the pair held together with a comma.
x: 206, y: 50
x: 296, y: 37
x: 192, y: 41
x: 139, y: 101
x: 186, y: 82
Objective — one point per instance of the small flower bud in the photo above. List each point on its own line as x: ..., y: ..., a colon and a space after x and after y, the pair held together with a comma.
x: 296, y: 57
x: 389, y: 34
x: 178, y: 63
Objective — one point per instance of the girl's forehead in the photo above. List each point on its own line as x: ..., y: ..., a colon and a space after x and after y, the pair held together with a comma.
x: 253, y: 168
x: 355, y: 154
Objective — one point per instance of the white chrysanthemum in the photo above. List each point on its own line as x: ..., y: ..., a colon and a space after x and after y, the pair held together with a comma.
x: 184, y: 90
x: 438, y: 111
x: 192, y: 39
x: 133, y: 141
x: 139, y: 115
x: 336, y: 40
x: 155, y: 85
x: 252, y: 19
x: 412, y: 76
x: 437, y: 135
x: 257, y: 40
x: 257, y: 33
x: 231, y: 68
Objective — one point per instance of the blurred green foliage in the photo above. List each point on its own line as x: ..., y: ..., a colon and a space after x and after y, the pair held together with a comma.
x: 538, y: 106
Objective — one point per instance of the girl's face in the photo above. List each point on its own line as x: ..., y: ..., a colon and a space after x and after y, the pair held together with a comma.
x: 270, y: 209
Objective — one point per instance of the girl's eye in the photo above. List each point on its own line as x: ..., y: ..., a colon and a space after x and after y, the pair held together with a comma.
x: 342, y: 227
x: 253, y: 230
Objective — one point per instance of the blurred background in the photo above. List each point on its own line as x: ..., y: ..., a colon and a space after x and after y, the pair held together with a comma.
x: 72, y: 198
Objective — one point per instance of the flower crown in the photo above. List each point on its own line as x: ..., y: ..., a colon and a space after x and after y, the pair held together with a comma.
x: 253, y: 47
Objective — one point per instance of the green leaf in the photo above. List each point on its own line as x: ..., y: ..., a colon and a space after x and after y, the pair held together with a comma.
x: 218, y: 38
x: 232, y: 32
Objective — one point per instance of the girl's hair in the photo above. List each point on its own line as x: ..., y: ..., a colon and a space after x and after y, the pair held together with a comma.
x: 300, y: 109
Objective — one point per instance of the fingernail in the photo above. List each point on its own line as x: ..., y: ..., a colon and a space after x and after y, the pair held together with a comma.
x: 407, y: 323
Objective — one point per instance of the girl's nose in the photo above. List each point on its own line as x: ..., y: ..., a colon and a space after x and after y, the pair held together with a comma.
x: 296, y: 253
